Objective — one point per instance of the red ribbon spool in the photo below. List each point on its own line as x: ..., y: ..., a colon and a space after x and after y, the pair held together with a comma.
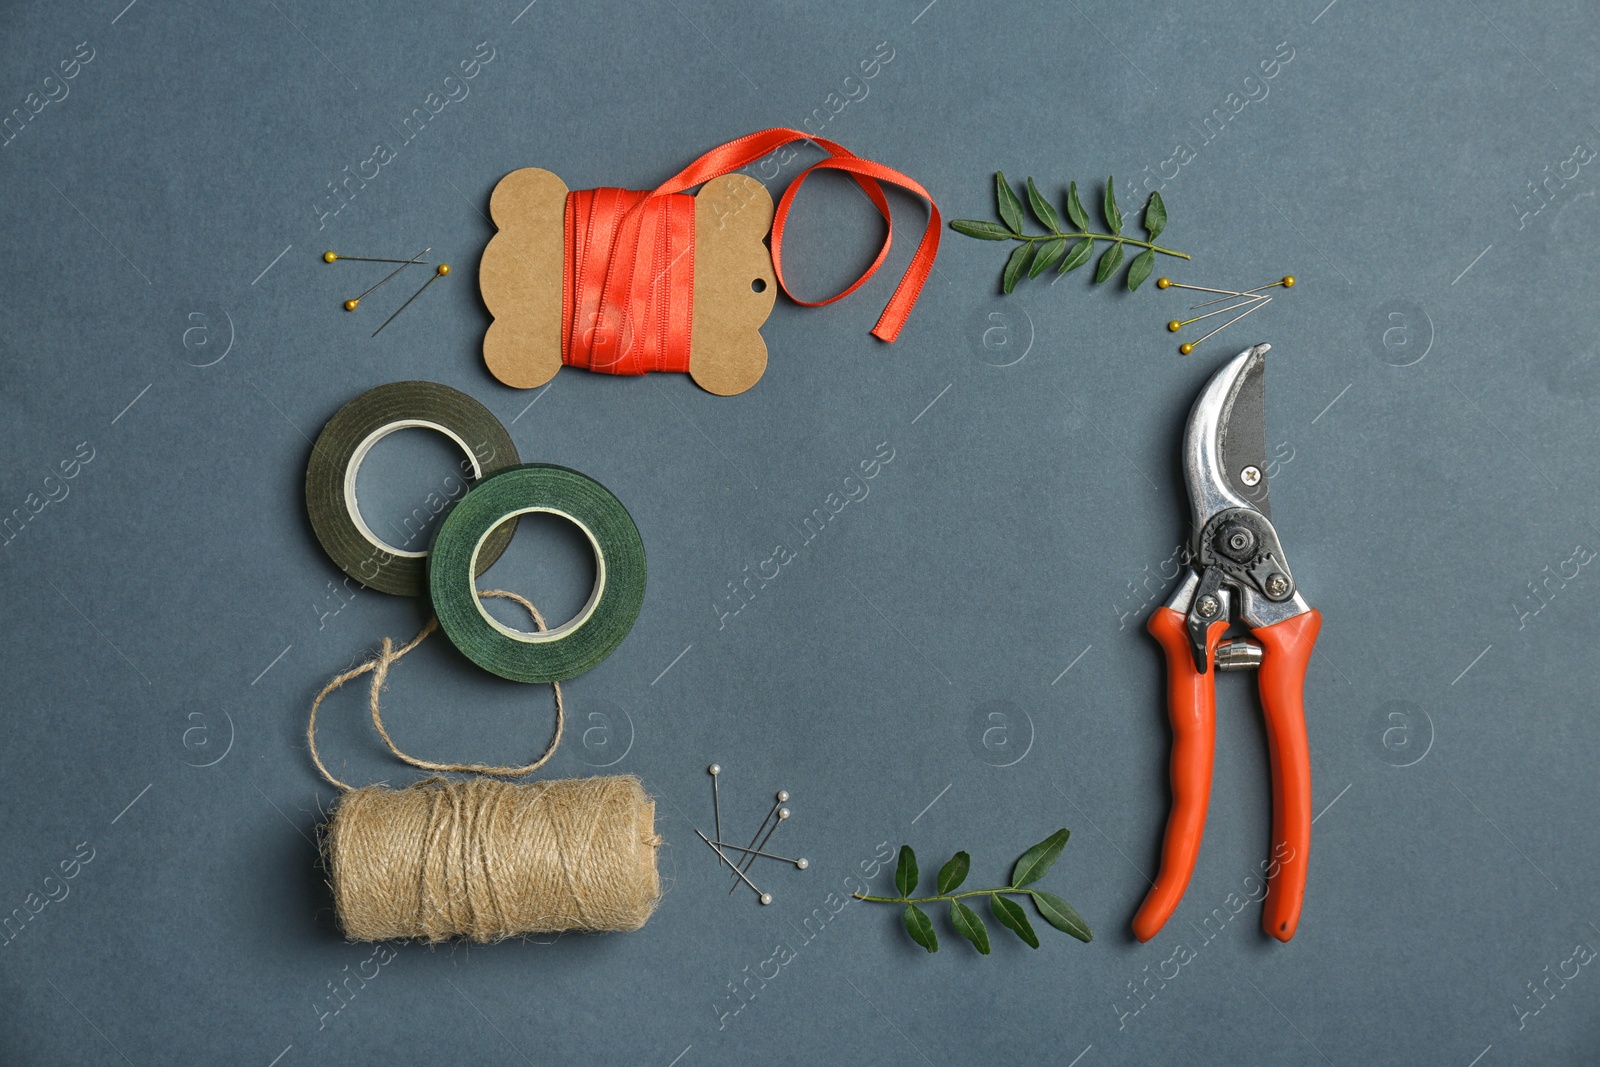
x: 627, y: 291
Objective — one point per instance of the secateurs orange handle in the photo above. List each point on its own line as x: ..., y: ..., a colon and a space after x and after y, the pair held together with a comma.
x: 1191, y: 704
x: 1286, y: 648
x: 1239, y: 561
x: 1192, y: 708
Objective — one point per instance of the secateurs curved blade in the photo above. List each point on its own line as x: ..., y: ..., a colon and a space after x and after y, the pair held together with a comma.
x: 1238, y: 565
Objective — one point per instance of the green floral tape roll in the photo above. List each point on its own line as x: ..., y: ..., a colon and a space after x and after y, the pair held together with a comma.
x: 344, y: 443
x: 465, y: 536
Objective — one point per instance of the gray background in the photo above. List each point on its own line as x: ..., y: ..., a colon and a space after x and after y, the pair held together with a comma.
x: 1430, y: 402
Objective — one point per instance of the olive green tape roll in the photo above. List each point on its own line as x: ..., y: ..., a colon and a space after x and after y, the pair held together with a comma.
x: 345, y: 441
x: 464, y: 537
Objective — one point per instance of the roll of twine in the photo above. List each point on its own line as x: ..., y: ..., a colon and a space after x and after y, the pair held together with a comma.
x: 483, y: 858
x: 486, y: 859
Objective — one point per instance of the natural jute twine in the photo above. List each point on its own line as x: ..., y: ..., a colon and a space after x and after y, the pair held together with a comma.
x: 483, y: 858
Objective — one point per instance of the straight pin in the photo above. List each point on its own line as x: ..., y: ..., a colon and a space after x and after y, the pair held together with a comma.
x: 765, y: 898
x: 783, y: 813
x: 1189, y: 347
x: 757, y: 835
x: 350, y: 305
x: 439, y: 272
x: 1287, y: 281
x: 716, y: 797
x: 1175, y: 325
x: 329, y: 257
x: 783, y: 795
x: 1168, y: 283
x: 801, y: 863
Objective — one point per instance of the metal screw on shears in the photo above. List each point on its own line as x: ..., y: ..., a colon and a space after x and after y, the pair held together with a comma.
x: 1250, y: 475
x: 1237, y: 541
x: 1277, y: 585
x: 1207, y: 606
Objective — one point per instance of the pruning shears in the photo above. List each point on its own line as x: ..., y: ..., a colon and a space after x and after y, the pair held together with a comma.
x: 1237, y: 564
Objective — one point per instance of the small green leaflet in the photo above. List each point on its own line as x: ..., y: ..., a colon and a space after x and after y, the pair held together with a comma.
x: 1155, y: 216
x: 1078, y: 256
x: 905, y: 873
x: 1011, y: 916
x: 1110, y: 260
x: 952, y: 874
x: 920, y: 927
x: 1140, y: 268
x: 1075, y: 212
x: 1037, y: 860
x: 969, y: 926
x: 1042, y: 210
x: 983, y: 231
x: 1015, y: 266
x: 1010, y: 206
x: 1060, y: 914
x: 1113, y: 213
x: 1047, y: 255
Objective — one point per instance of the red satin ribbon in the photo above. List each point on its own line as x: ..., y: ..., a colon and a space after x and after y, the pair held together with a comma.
x: 649, y: 327
x: 628, y: 284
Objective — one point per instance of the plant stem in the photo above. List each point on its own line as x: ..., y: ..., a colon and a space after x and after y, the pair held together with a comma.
x: 1102, y: 237
x: 942, y: 896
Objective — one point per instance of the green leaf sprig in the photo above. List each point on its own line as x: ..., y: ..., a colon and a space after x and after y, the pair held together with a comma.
x: 1066, y: 249
x: 1029, y: 869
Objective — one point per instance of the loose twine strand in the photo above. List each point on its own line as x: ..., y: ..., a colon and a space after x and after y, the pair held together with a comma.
x: 483, y: 858
x: 379, y: 665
